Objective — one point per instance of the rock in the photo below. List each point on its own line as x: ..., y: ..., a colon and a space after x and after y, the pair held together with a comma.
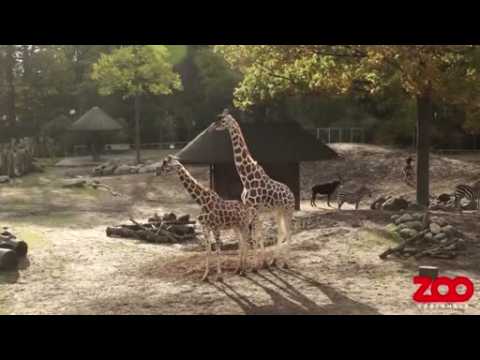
x: 122, y: 170
x: 401, y: 227
x: 148, y: 169
x: 4, y: 179
x: 444, y: 198
x: 74, y: 183
x: 415, y: 225
x: 395, y: 217
x: 408, y: 233
x: 403, y: 219
x: 135, y: 169
x: 435, y: 228
x: 428, y: 236
x: 440, y: 237
x: 414, y: 207
x: 397, y: 204
x: 109, y: 170
x: 440, y: 221
x: 418, y: 216
x: 449, y: 230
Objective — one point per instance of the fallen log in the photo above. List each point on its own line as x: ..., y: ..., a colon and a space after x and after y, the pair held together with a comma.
x: 402, y: 246
x: 148, y: 236
x: 8, y: 259
x: 20, y: 247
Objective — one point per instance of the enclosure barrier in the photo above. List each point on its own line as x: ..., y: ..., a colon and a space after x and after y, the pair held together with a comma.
x: 339, y: 135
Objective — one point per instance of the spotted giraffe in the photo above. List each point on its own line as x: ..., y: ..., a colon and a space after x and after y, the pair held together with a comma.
x: 259, y: 190
x: 216, y: 215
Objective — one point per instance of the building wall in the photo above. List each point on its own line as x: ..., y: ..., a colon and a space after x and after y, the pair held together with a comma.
x: 226, y: 181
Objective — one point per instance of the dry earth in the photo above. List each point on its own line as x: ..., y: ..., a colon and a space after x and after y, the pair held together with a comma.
x: 73, y: 268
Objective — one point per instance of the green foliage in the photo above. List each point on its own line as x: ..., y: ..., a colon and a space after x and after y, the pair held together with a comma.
x: 136, y: 70
x: 270, y: 70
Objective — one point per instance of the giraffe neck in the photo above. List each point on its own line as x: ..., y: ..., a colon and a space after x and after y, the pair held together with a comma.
x: 199, y: 193
x: 244, y: 162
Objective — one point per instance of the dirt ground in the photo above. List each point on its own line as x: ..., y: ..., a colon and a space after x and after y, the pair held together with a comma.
x: 73, y: 268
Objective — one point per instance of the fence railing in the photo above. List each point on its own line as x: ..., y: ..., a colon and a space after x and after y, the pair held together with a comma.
x: 340, y: 135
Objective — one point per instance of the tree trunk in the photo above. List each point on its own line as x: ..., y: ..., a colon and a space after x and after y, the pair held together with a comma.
x: 10, y: 79
x: 138, y: 105
x: 424, y: 118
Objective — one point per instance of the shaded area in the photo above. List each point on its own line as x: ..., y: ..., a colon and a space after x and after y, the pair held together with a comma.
x: 287, y: 299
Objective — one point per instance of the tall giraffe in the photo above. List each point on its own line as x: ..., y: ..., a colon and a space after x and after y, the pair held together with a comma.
x: 259, y: 190
x: 216, y: 214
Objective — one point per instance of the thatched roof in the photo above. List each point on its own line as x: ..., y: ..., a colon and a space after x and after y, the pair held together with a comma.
x: 96, y: 120
x: 272, y: 143
x: 57, y: 126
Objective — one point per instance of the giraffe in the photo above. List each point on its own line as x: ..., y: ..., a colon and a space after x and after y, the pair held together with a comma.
x: 259, y: 190
x: 216, y: 215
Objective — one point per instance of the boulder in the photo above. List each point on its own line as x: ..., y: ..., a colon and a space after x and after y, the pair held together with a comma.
x: 428, y: 236
x: 438, y: 220
x: 395, y: 217
x: 109, y: 170
x: 444, y: 198
x: 135, y: 169
x: 4, y: 179
x: 123, y: 170
x: 418, y: 216
x: 435, y: 228
x: 397, y: 204
x: 449, y: 230
x: 403, y: 219
x: 440, y: 236
x: 408, y: 233
x: 415, y: 225
x: 148, y: 169
x: 414, y: 207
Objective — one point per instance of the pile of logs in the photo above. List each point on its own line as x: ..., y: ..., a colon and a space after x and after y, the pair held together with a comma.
x: 167, y: 229
x: 425, y: 236
x: 11, y: 250
x: 17, y: 158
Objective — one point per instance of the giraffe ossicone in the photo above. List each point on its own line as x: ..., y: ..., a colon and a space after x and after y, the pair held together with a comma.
x: 259, y: 190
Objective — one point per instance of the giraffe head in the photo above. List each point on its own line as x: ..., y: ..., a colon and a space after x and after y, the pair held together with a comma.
x: 224, y: 121
x: 169, y: 164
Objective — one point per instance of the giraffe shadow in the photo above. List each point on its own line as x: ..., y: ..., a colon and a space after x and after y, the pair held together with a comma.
x: 287, y: 299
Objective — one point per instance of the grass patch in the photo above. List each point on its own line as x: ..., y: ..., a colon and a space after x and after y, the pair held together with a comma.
x: 377, y: 237
x: 33, y: 238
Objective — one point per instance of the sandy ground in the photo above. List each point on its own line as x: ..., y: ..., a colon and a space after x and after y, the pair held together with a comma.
x: 73, y: 268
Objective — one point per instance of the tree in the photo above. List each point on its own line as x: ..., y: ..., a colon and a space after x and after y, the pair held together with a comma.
x: 135, y: 71
x: 424, y: 72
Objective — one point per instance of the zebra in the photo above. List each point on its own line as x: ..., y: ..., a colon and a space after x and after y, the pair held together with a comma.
x: 352, y: 197
x: 471, y: 193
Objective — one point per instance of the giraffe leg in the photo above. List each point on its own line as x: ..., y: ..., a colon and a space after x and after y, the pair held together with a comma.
x: 242, y: 248
x: 286, y: 221
x: 208, y: 247
x: 219, y: 255
x: 280, y: 237
x: 261, y: 258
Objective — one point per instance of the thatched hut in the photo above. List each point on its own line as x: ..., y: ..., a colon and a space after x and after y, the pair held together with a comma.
x: 96, y: 123
x: 279, y: 148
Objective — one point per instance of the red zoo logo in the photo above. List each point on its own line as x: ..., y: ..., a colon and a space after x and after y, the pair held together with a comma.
x: 451, y: 296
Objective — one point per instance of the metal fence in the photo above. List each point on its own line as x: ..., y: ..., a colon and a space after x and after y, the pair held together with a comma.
x: 339, y: 135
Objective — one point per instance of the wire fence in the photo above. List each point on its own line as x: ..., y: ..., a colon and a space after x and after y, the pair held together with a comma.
x: 340, y: 135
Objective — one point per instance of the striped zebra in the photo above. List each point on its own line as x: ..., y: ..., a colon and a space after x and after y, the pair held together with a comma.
x: 352, y: 197
x: 471, y: 193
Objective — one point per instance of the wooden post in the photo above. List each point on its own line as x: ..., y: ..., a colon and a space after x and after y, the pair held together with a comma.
x: 428, y: 271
